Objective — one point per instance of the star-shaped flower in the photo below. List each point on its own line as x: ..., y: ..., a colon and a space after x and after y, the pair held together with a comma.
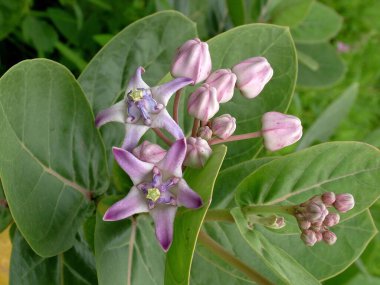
x: 158, y: 189
x: 143, y: 108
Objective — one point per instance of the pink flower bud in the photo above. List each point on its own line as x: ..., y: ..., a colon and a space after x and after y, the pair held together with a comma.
x: 205, y: 133
x: 223, y: 80
x: 319, y: 236
x: 329, y: 237
x: 223, y: 126
x: 280, y: 130
x: 149, y: 152
x: 198, y: 152
x: 328, y: 198
x: 331, y: 219
x: 203, y: 103
x: 315, y: 210
x: 344, y: 202
x: 316, y: 227
x: 304, y: 224
x: 192, y: 60
x: 252, y: 75
x: 309, y: 237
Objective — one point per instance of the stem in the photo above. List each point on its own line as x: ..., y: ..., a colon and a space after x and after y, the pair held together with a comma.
x: 177, y: 99
x: 219, y: 215
x: 195, y: 127
x: 130, y: 250
x: 236, y: 138
x: 218, y: 250
x: 269, y: 209
x: 162, y: 136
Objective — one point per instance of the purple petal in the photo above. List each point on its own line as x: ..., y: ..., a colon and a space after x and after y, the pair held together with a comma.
x: 171, y: 164
x: 136, y: 81
x: 133, y: 133
x: 135, y: 168
x: 163, y: 92
x: 187, y: 197
x: 164, y: 121
x: 115, y: 113
x: 163, y: 216
x: 133, y: 203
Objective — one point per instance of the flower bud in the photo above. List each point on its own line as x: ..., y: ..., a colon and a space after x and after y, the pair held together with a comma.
x: 315, y: 210
x: 198, y: 152
x: 309, y: 237
x: 192, y: 60
x: 344, y: 202
x: 319, y: 236
x: 223, y: 126
x: 223, y: 80
x: 149, y: 152
x: 280, y: 130
x: 205, y: 133
x: 304, y: 224
x: 203, y: 103
x: 328, y: 198
x: 252, y: 75
x: 331, y: 219
x: 329, y: 237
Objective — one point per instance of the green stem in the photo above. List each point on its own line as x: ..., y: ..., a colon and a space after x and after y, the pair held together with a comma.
x: 218, y: 250
x: 219, y: 215
x: 269, y: 209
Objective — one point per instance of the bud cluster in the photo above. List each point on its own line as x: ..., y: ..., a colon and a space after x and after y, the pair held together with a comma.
x: 315, y: 219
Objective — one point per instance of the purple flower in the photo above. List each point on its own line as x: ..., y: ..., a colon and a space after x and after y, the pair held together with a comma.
x: 158, y: 189
x: 143, y: 108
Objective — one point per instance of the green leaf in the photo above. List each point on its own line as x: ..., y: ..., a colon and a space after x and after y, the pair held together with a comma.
x: 5, y: 214
x: 71, y: 55
x: 219, y: 271
x: 75, y: 266
x: 338, y: 167
x: 326, y: 124
x: 233, y: 46
x: 319, y: 65
x: 65, y: 22
x: 321, y: 24
x: 127, y: 252
x: 150, y: 42
x: 373, y: 138
x: 225, y: 186
x: 52, y: 157
x: 354, y: 234
x: 289, y: 12
x: 11, y: 13
x: 188, y: 223
x: 39, y: 34
x: 236, y: 9
x: 285, y: 267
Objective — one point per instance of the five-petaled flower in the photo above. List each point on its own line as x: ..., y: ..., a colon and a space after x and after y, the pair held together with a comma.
x: 158, y: 189
x: 143, y: 108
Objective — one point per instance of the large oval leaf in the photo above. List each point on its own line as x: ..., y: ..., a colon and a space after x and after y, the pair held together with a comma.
x: 150, y: 42
x: 52, y: 158
x: 188, y: 223
x: 274, y: 43
x: 127, y: 252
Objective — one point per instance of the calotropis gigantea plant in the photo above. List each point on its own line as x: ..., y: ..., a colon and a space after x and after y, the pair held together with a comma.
x: 238, y: 217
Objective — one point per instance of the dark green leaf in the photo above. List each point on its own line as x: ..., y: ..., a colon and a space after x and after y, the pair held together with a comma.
x: 319, y: 65
x: 321, y: 24
x: 11, y: 13
x: 52, y: 156
x: 288, y: 12
x: 236, y: 9
x: 188, y: 223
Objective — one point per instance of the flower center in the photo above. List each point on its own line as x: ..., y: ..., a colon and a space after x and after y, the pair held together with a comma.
x: 136, y: 95
x: 153, y: 194
x: 141, y: 105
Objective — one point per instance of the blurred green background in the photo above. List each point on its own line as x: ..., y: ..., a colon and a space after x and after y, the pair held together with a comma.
x: 338, y: 89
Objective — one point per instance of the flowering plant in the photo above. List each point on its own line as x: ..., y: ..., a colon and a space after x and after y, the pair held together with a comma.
x: 146, y: 183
